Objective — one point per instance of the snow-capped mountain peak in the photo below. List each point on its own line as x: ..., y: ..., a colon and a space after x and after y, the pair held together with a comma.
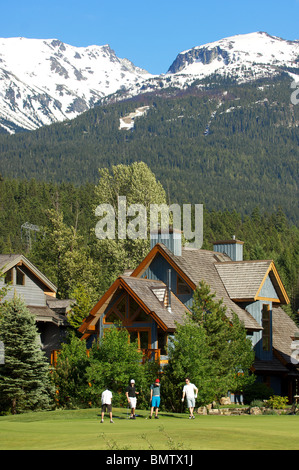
x: 44, y: 81
x: 242, y: 56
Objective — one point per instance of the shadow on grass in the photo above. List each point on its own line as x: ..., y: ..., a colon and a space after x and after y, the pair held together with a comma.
x: 125, y: 414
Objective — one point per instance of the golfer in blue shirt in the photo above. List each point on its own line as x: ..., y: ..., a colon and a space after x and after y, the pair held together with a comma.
x: 155, y: 398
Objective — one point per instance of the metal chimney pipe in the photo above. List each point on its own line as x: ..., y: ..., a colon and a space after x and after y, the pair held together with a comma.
x: 169, y: 289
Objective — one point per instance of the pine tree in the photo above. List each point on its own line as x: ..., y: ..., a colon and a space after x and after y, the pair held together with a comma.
x: 211, y: 348
x: 231, y: 352
x: 25, y: 377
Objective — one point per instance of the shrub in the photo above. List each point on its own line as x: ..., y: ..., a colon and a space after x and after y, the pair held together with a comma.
x: 277, y: 402
x: 258, y: 403
x: 257, y: 391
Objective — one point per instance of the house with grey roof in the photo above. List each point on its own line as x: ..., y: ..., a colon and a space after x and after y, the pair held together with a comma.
x: 39, y: 295
x: 154, y: 298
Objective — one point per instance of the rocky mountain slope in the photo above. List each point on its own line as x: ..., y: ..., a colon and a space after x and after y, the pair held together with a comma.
x: 47, y: 81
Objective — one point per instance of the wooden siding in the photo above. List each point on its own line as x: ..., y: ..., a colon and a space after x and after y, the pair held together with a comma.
x: 268, y: 291
x: 232, y: 248
x: 31, y: 292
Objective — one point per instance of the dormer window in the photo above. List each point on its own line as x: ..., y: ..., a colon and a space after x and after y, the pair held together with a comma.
x: 182, y: 287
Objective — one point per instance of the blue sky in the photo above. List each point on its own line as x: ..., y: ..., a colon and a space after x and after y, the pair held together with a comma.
x: 152, y: 33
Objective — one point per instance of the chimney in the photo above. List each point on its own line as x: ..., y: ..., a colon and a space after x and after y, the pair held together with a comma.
x: 233, y: 248
x: 169, y: 290
x: 171, y: 238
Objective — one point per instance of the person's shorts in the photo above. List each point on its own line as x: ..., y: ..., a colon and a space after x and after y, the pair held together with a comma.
x: 156, y: 402
x: 133, y: 401
x: 190, y: 402
x: 106, y: 407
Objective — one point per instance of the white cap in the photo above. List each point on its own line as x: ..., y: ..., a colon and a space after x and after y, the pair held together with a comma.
x: 132, y: 381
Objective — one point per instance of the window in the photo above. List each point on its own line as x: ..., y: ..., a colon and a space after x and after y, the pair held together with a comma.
x: 20, y: 278
x: 182, y: 287
x: 162, y: 342
x: 9, y: 277
x: 266, y: 327
x: 142, y: 316
x: 117, y: 312
x: 112, y: 317
x: 133, y: 307
x: 121, y: 306
x: 136, y: 314
x: 142, y: 337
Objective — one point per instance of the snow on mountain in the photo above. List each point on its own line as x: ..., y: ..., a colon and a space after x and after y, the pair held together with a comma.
x: 45, y: 81
x: 244, y: 56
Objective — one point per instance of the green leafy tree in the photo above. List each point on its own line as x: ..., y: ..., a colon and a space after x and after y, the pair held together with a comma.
x: 25, y: 377
x: 189, y: 356
x: 139, y: 185
x: 81, y: 307
x: 63, y: 249
x: 69, y: 375
x: 113, y: 362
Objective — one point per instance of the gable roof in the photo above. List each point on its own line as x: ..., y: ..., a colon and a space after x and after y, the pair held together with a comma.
x: 147, y: 293
x: 194, y: 266
x: 244, y: 280
x: 9, y: 261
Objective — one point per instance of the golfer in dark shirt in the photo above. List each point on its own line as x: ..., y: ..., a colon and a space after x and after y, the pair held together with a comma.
x: 131, y: 397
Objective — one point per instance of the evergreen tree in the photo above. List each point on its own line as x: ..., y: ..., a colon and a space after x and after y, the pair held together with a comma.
x: 231, y: 352
x: 25, y: 377
x: 212, y: 349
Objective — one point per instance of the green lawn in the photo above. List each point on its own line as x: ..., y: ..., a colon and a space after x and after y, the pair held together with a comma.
x: 82, y: 430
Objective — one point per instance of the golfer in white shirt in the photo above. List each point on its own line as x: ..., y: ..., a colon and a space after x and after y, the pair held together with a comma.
x: 188, y: 391
x: 106, y: 400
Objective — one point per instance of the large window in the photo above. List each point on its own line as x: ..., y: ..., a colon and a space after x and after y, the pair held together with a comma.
x: 266, y: 327
x: 142, y: 337
x: 182, y: 286
x: 117, y: 312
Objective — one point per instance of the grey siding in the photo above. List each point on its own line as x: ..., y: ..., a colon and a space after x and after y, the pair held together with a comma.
x: 31, y: 292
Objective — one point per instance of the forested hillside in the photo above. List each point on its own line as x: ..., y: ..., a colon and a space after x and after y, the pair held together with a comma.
x: 66, y: 241
x: 230, y: 147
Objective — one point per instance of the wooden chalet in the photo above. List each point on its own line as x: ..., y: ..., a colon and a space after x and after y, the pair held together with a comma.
x: 156, y: 295
x: 39, y: 295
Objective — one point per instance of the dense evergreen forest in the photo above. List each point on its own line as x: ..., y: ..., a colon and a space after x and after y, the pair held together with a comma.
x: 64, y: 214
x: 231, y: 147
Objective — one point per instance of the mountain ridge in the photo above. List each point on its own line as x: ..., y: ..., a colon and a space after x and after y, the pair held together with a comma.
x: 49, y: 81
x: 226, y: 145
